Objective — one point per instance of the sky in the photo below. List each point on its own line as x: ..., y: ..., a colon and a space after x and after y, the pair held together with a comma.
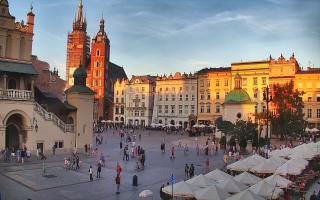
x: 165, y: 36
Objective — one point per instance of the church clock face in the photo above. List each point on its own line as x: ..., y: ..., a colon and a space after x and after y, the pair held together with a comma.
x: 70, y: 46
x: 79, y: 46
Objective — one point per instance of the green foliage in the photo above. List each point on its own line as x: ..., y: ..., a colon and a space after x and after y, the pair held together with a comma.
x: 232, y: 141
x: 225, y: 126
x: 244, y: 131
x: 223, y: 140
x: 288, y: 118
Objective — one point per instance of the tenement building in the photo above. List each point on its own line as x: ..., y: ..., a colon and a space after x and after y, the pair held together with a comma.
x: 175, y: 100
x: 119, y: 115
x: 139, y: 100
x: 30, y: 117
x: 102, y: 74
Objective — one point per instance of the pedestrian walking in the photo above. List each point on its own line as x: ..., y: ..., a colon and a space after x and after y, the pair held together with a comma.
x: 91, y: 173
x: 77, y: 162
x: 120, y: 145
x: 225, y: 159
x: 186, y: 171
x: 117, y: 179
x: 185, y: 149
x: 99, y: 169
x: 172, y: 153
x: 191, y: 171
x: 54, y: 149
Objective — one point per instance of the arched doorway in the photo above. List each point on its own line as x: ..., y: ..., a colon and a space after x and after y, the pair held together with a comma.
x: 172, y: 122
x: 12, y: 84
x: 16, y: 133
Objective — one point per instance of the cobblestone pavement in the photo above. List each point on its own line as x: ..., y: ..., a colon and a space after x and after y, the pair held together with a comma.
x: 20, y: 182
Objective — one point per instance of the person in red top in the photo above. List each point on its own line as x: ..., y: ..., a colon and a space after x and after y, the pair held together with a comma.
x: 119, y: 169
x: 301, y: 186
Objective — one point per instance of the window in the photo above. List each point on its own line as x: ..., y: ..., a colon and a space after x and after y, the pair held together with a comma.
x: 225, y: 82
x: 192, y: 97
x: 244, y: 81
x: 217, y: 95
x: 255, y: 81
x: 122, y: 92
x: 201, y: 96
x: 309, y: 99
x: 142, y: 89
x: 117, y: 92
x: 160, y: 89
x: 117, y: 110
x: 202, y: 109
x: 136, y: 104
x: 167, y: 89
x: 309, y: 85
x: 217, y: 82
x: 217, y: 108
x: 142, y: 113
x: 208, y: 96
x: 58, y: 144
x: 208, y: 84
x: 192, y: 88
x: 117, y: 100
x: 143, y: 96
x: 166, y: 107
x: 167, y: 97
x: 225, y: 94
x: 264, y: 81
x: 122, y: 100
x: 98, y: 52
x: 187, y: 88
x: 187, y: 97
x: 96, y: 82
x: 97, y: 64
x: 136, y: 113
x: 192, y: 109
x: 186, y: 109
x: 309, y: 113
x: 208, y: 108
x: 318, y: 113
x: 255, y: 109
x: 180, y: 89
x: 264, y: 109
x: 300, y: 85
x: 97, y: 73
x: 160, y: 109
x: 160, y: 98
x: 201, y: 83
x: 173, y: 108
x: 318, y: 97
x: 142, y: 104
x: 180, y: 98
x: 180, y: 109
x: 318, y: 85
x: 122, y: 109
x: 173, y: 97
x: 255, y: 94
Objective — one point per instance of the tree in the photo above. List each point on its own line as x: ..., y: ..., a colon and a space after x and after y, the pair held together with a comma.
x: 226, y: 127
x: 244, y: 131
x: 287, y: 121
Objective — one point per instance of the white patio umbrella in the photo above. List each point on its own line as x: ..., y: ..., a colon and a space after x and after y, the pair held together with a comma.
x: 281, y: 152
x: 109, y: 121
x: 210, y: 193
x: 308, y: 129
x: 245, y: 195
x: 232, y: 186
x: 103, y: 121
x: 266, y: 190
x: 277, y: 159
x: 240, y: 166
x: 278, y: 181
x: 247, y: 178
x: 290, y: 169
x: 266, y: 167
x: 181, y: 189
x: 200, y: 181
x: 146, y: 193
x: 218, y: 175
x: 299, y: 162
x: 314, y: 130
x: 305, y: 154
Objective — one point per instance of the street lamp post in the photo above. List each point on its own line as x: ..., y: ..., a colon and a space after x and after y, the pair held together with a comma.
x: 267, y: 97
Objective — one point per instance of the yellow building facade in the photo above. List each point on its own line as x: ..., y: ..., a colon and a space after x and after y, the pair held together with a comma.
x: 215, y: 83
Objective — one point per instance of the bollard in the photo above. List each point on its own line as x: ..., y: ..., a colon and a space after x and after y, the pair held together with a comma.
x: 135, y: 180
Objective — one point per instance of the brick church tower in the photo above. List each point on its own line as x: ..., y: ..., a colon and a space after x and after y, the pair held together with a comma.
x: 99, y: 70
x: 77, y: 46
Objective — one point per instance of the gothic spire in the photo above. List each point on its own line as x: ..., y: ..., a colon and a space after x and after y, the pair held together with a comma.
x: 80, y: 12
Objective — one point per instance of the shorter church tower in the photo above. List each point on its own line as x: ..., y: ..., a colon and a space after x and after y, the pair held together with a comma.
x: 99, y: 77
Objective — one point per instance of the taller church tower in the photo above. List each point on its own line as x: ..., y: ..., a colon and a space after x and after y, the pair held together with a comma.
x: 78, y: 49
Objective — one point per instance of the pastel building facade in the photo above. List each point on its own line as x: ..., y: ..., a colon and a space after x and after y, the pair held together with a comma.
x: 175, y: 100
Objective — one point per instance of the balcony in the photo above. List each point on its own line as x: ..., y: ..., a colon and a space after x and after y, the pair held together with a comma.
x: 13, y: 94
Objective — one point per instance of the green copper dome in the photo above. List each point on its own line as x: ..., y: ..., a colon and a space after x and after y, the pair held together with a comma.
x: 237, y: 96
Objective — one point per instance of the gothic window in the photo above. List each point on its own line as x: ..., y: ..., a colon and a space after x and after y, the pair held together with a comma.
x: 22, y: 48
x: 97, y: 64
x: 98, y: 52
